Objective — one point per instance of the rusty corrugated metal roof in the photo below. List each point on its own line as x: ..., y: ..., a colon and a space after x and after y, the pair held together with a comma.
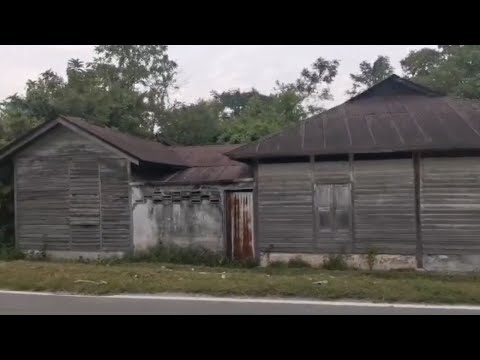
x: 394, y: 115
x: 209, y: 164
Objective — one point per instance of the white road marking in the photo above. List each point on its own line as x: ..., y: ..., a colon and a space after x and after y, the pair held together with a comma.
x: 252, y: 300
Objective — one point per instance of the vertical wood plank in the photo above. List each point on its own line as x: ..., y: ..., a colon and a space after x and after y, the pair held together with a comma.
x: 352, y: 202
x: 15, y: 200
x: 256, y: 222
x: 130, y: 205
x: 314, y: 213
x: 101, y: 203
x: 70, y: 240
x: 418, y: 220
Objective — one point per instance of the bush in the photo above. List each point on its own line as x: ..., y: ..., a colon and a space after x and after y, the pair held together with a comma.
x: 189, y: 255
x: 335, y: 262
x: 298, y: 262
x: 9, y: 252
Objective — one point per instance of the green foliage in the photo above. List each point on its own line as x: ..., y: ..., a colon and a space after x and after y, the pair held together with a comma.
x: 262, y: 117
x: 335, y: 262
x: 125, y: 87
x: 451, y: 69
x: 298, y: 262
x: 372, y: 258
x: 191, y: 255
x: 9, y: 253
x: 370, y: 74
x: 193, y: 124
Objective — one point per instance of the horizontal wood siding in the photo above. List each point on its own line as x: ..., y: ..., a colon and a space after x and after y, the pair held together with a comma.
x: 450, y: 205
x: 285, y: 207
x: 385, y: 206
x: 332, y: 172
x: 84, y: 204
x: 72, y: 194
x: 115, y: 205
x: 42, y: 204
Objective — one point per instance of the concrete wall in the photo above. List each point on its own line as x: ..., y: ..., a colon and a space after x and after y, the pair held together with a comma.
x: 181, y: 215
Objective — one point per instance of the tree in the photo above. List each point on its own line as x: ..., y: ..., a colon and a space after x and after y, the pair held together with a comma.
x: 370, y: 74
x: 234, y: 101
x: 312, y: 87
x: 126, y: 87
x: 450, y: 69
x: 194, y: 124
x: 420, y: 63
x: 262, y: 117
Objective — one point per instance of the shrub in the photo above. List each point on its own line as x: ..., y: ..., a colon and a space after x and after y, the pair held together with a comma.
x: 9, y: 252
x: 335, y: 262
x: 190, y: 255
x: 298, y: 262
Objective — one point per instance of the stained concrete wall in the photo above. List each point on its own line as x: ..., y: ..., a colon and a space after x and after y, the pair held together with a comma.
x: 181, y: 215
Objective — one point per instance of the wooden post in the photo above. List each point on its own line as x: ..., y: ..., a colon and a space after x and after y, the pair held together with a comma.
x: 256, y: 222
x: 100, y: 202
x: 314, y: 210
x: 352, y: 203
x: 15, y: 200
x: 418, y: 220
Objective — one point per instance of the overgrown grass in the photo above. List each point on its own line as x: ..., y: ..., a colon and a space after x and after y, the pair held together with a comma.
x: 190, y: 255
x: 335, y: 262
x: 223, y: 281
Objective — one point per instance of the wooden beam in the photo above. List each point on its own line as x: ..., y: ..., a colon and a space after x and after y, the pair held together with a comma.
x: 418, y: 220
x: 15, y: 200
x: 256, y: 223
x: 130, y: 206
x: 314, y: 212
x: 352, y: 202
x: 100, y: 201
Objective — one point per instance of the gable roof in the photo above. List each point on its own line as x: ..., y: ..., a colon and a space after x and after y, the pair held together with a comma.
x: 194, y: 164
x: 137, y: 149
x: 394, y: 115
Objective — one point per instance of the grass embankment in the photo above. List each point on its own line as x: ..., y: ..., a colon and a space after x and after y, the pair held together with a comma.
x: 222, y: 281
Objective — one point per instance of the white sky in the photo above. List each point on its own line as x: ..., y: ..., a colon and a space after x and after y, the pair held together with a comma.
x: 203, y: 68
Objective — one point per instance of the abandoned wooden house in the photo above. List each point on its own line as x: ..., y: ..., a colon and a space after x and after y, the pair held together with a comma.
x: 394, y: 171
x: 84, y: 190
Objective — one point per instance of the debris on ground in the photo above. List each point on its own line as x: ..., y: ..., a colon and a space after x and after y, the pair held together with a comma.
x: 321, y: 282
x: 101, y: 282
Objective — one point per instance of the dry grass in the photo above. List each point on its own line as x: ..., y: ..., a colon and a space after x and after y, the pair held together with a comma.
x: 299, y: 282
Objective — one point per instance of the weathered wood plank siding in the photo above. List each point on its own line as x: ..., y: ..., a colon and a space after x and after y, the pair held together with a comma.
x: 385, y: 206
x: 71, y: 195
x: 334, y: 173
x: 450, y: 205
x: 285, y: 211
x: 115, y: 205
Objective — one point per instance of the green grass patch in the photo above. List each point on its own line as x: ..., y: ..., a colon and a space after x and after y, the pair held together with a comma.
x: 140, y: 277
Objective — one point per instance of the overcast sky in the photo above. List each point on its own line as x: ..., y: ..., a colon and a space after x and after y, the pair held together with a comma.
x: 203, y: 68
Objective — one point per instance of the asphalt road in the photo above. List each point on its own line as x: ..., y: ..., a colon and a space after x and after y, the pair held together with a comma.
x: 12, y: 303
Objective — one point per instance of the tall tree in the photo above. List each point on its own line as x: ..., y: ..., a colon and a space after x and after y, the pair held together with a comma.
x: 193, y: 124
x: 312, y: 87
x: 450, y: 69
x: 126, y: 87
x: 370, y: 74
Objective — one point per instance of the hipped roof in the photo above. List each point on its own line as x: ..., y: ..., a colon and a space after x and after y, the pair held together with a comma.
x: 393, y: 116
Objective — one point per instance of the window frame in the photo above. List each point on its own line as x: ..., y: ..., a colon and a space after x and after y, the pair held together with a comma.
x: 332, y: 208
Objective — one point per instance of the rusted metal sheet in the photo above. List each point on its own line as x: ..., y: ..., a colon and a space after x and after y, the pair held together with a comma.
x: 240, y: 225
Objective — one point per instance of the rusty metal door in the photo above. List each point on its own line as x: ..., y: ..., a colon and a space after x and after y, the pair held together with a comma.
x: 240, y: 244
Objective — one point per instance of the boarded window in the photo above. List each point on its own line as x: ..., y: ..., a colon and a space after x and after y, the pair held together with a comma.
x: 333, y: 207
